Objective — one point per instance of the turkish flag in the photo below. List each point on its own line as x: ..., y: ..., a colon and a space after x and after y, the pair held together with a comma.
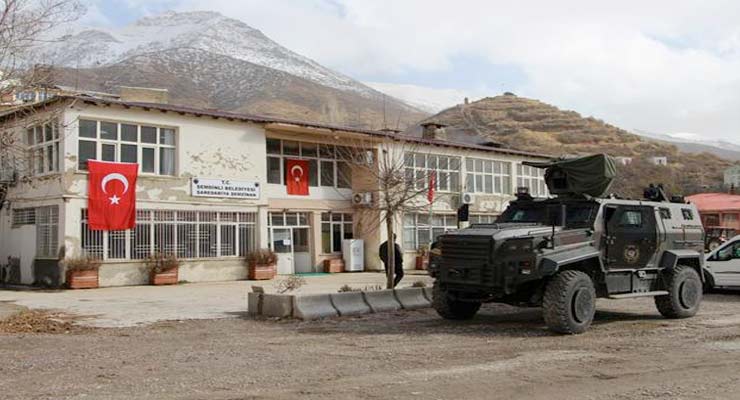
x: 111, y: 192
x: 296, y: 177
x: 432, y: 184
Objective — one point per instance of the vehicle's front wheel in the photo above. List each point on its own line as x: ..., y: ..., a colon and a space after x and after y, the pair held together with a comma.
x: 684, y: 293
x: 449, y: 308
x: 569, y: 304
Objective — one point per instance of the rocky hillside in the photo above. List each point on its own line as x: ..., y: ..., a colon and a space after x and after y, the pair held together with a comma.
x: 208, y: 60
x: 531, y: 125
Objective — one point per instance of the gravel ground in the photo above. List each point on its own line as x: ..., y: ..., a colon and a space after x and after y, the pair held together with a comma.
x: 630, y: 353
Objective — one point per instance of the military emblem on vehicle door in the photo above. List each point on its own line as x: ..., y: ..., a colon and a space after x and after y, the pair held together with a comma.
x: 631, y: 254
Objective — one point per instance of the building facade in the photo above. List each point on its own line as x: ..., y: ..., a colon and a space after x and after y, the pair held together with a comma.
x: 188, y: 156
x: 718, y: 209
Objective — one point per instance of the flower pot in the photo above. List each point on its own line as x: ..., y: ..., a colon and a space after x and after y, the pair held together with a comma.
x: 422, y: 263
x: 258, y: 272
x: 86, y: 279
x: 334, y: 265
x: 165, y: 277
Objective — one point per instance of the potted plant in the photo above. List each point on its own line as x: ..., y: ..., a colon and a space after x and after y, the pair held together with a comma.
x: 422, y: 257
x: 163, y: 269
x: 262, y: 264
x: 82, y: 272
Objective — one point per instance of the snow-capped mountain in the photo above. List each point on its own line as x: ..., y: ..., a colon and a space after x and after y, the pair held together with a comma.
x: 431, y: 100
x: 201, y: 30
x: 694, y: 143
x: 207, y: 60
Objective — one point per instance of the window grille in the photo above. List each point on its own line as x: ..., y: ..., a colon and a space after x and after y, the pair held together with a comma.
x: 24, y: 216
x: 47, y: 231
x: 187, y: 234
x: 420, y: 229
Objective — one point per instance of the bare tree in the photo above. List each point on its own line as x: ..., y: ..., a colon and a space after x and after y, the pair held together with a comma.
x: 23, y: 26
x: 386, y: 164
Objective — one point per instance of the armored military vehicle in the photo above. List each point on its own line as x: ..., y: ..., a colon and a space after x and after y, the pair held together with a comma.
x: 564, y: 252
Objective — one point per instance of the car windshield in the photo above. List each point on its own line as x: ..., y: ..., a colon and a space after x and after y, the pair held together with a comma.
x: 577, y: 215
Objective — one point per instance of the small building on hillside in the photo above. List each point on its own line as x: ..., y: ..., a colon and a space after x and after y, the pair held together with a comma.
x: 718, y: 209
x: 623, y: 160
x: 732, y: 176
x: 659, y: 160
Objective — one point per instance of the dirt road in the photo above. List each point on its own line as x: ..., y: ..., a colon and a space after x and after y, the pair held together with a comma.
x: 630, y: 353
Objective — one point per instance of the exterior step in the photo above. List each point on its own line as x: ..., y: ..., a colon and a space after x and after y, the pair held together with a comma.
x: 641, y: 294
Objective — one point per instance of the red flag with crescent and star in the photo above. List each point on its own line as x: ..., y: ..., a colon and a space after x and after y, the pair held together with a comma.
x: 296, y: 178
x: 111, y: 191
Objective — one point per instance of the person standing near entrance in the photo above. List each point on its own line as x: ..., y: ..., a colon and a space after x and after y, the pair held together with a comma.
x: 397, y: 260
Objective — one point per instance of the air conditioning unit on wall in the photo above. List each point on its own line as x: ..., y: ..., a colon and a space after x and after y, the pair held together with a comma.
x: 467, y: 198
x: 362, y: 199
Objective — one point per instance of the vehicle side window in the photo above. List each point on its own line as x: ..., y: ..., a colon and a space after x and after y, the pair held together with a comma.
x: 665, y: 213
x: 631, y: 218
x: 687, y: 214
x: 729, y: 252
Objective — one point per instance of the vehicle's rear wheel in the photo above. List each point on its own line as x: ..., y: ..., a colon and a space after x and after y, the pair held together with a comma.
x: 449, y: 308
x: 569, y: 304
x: 684, y: 293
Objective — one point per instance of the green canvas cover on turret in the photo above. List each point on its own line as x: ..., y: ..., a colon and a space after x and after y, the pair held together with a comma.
x: 589, y: 176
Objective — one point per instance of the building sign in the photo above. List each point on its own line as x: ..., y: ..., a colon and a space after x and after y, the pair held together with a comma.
x: 233, y: 189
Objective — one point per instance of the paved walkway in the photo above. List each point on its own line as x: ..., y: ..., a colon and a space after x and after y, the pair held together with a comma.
x: 136, y: 305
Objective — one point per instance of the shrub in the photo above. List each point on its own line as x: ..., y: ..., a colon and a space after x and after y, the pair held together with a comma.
x: 347, y: 288
x: 81, y: 263
x: 289, y: 284
x: 261, y: 257
x: 159, y: 262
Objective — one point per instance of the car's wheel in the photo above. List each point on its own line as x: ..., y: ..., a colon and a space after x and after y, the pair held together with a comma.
x: 569, y: 304
x: 684, y: 293
x: 449, y: 308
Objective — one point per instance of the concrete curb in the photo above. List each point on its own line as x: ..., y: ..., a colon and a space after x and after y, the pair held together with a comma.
x: 350, y: 303
x: 313, y: 306
x: 254, y: 303
x: 381, y: 300
x: 428, y: 293
x: 412, y: 298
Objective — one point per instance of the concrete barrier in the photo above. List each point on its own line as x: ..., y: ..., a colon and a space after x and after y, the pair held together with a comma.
x: 382, y: 300
x: 277, y: 305
x: 254, y: 303
x: 350, y: 303
x: 313, y: 306
x: 412, y: 298
x: 428, y: 293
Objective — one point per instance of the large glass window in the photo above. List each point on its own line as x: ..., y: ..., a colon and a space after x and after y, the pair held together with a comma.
x: 334, y: 228
x: 186, y: 234
x: 488, y: 176
x: 43, y: 148
x: 325, y: 165
x: 532, y: 178
x: 419, y: 167
x: 154, y: 148
x: 422, y: 229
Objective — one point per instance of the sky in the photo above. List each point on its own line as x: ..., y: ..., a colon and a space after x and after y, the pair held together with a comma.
x: 669, y: 67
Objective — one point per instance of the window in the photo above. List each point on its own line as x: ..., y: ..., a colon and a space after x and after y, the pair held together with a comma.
x: 532, y: 178
x: 187, y: 234
x: 43, y: 148
x: 421, y: 229
x: 687, y: 214
x: 632, y: 218
x: 153, y: 148
x: 487, y: 176
x: 334, y: 228
x: 420, y: 166
x: 729, y: 219
x: 24, y: 216
x: 325, y: 167
x: 47, y: 231
x: 483, y: 219
x: 665, y: 213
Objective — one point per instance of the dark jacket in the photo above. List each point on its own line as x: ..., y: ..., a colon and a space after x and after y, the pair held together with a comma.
x: 383, y: 252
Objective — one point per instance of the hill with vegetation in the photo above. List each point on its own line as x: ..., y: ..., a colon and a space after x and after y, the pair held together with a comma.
x: 531, y: 125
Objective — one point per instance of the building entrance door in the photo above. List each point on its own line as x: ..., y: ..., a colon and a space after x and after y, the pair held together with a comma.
x: 290, y: 240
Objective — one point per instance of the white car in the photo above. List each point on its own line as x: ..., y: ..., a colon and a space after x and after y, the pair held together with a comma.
x: 723, y: 265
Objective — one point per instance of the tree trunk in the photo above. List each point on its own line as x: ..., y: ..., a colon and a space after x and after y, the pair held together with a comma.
x: 391, y: 249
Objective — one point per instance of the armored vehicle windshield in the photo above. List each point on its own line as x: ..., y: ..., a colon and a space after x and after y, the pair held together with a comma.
x: 578, y: 214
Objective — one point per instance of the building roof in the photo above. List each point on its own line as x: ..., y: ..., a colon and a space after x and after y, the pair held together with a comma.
x: 716, y: 201
x: 200, y: 112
